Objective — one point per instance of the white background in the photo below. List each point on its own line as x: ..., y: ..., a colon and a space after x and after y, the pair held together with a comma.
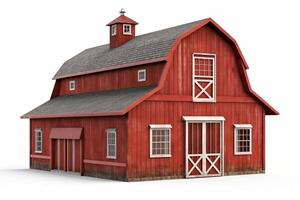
x: 36, y: 37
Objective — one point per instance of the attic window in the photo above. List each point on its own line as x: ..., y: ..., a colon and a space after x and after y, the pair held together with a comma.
x: 114, y: 30
x: 141, y: 75
x: 126, y: 29
x: 72, y: 85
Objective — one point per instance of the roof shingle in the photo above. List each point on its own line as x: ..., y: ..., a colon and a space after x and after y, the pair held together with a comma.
x: 89, y: 104
x: 143, y: 47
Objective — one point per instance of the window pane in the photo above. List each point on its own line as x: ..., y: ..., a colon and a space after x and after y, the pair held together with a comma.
x: 243, y: 140
x: 160, y: 142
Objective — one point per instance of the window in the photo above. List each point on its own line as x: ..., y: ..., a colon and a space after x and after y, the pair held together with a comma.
x: 126, y: 29
x: 72, y: 85
x: 38, y: 140
x: 160, y: 140
x: 204, y: 77
x: 114, y: 29
x: 141, y: 75
x: 242, y: 139
x: 111, y: 143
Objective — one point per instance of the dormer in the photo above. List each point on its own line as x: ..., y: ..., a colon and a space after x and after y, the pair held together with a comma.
x: 121, y: 30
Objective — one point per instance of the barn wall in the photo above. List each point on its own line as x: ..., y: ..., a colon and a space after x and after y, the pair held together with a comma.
x: 140, y: 165
x: 115, y: 79
x: 205, y: 40
x: 94, y: 143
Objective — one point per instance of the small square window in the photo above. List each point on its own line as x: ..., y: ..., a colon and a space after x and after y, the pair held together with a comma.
x: 242, y: 139
x: 72, y: 85
x: 114, y: 29
x: 126, y: 29
x: 142, y: 75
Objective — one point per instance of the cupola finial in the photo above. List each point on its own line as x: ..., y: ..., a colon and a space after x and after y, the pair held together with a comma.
x: 122, y: 11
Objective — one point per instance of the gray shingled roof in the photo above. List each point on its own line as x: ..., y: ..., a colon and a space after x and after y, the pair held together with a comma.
x: 89, y: 103
x: 143, y: 47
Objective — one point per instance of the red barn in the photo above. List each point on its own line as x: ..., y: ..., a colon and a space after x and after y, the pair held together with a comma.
x: 168, y: 104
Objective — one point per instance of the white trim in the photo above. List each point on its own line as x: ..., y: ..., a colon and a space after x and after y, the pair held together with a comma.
x: 198, y: 79
x: 127, y: 33
x: 241, y: 127
x: 145, y: 75
x: 108, y: 131
x: 72, y: 85
x: 113, y: 30
x: 204, y: 148
x: 203, y: 118
x: 163, y: 126
x: 36, y: 131
x: 160, y: 127
x: 222, y: 149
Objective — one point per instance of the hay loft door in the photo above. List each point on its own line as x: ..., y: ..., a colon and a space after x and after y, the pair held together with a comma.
x: 204, y: 146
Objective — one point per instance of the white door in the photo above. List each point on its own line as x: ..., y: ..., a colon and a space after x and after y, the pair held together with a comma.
x: 204, y: 148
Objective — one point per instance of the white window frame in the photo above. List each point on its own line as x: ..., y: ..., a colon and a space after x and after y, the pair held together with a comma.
x: 108, y: 131
x: 160, y: 127
x: 240, y: 127
x: 129, y: 32
x: 72, y: 85
x: 145, y: 75
x: 207, y: 56
x: 36, y: 132
x: 114, y: 30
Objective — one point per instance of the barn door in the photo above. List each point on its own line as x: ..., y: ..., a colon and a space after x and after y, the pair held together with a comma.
x: 204, y: 149
x: 67, y: 155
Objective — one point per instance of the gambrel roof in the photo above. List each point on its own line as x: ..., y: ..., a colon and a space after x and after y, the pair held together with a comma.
x: 148, y: 48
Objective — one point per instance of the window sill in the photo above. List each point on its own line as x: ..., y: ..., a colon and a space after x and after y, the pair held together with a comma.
x: 243, y: 154
x: 111, y: 157
x: 160, y: 156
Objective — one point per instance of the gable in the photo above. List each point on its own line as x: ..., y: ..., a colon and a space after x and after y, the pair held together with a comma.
x: 240, y: 61
x: 205, y: 43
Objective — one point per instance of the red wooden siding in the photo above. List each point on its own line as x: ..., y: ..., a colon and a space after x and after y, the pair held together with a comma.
x: 94, y: 144
x: 119, y: 39
x: 175, y: 100
x: 116, y: 79
x: 152, y: 112
x: 205, y: 40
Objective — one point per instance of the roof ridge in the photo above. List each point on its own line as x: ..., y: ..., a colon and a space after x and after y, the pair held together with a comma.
x: 106, y: 44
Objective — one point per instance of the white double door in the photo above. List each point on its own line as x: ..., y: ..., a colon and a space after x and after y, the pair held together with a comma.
x: 204, y: 148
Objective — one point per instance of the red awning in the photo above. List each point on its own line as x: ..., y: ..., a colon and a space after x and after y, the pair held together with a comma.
x: 65, y: 133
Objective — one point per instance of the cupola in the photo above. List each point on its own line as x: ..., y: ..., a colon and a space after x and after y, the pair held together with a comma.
x: 121, y: 30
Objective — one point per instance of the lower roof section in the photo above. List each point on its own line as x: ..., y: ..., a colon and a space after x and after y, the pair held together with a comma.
x: 66, y: 133
x: 102, y: 103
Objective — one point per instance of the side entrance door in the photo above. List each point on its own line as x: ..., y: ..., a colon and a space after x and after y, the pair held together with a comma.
x: 66, y: 155
x: 204, y: 146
